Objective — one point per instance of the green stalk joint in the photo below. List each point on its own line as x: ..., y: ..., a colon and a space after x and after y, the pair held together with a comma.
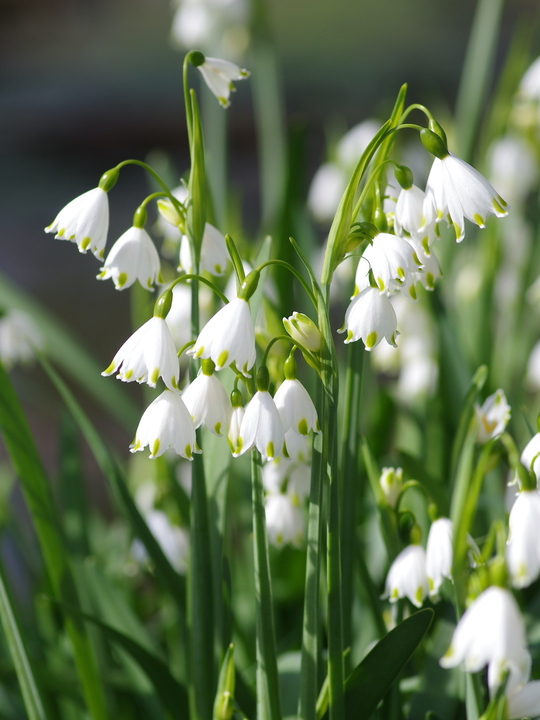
x: 108, y: 180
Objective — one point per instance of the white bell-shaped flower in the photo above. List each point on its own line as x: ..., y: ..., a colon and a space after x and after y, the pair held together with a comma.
x: 492, y: 417
x: 370, y: 317
x: 219, y: 75
x: 530, y: 457
x: 294, y: 403
x: 409, y: 217
x: 298, y: 446
x: 214, y: 255
x: 439, y: 554
x: 147, y: 355
x: 456, y: 189
x: 166, y: 423
x: 132, y: 257
x: 208, y: 401
x: 392, y: 260
x: 235, y: 420
x: 523, y: 548
x: 407, y: 576
x: 85, y: 221
x: 174, y: 541
x: 20, y: 338
x: 491, y: 632
x: 391, y: 482
x: 523, y: 701
x: 262, y: 428
x: 284, y: 521
x: 228, y: 337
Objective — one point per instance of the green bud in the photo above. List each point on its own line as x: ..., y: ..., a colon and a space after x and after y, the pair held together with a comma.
x: 224, y: 702
x: 379, y: 218
x: 303, y: 330
x: 433, y: 143
x: 289, y: 368
x: 249, y: 285
x: 236, y: 398
x: 415, y: 535
x: 108, y: 180
x: 404, y: 176
x: 196, y: 58
x: 437, y: 129
x: 163, y: 304
x: 208, y: 367
x: 139, y: 217
x: 263, y: 379
x: 498, y: 574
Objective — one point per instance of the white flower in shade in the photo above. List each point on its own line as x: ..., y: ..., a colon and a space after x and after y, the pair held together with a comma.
x: 407, y: 576
x: 533, y: 369
x: 208, y: 403
x: 235, y: 424
x: 530, y: 457
x: 491, y: 632
x: 303, y: 330
x: 391, y: 482
x: 524, y: 702
x: 392, y: 260
x: 228, y: 337
x: 219, y: 76
x: 370, y: 317
x: 431, y: 270
x: 296, y: 407
x: 20, y: 338
x: 409, y: 217
x: 298, y: 447
x: 523, y: 548
x: 275, y: 474
x: 147, y: 355
x: 530, y: 82
x: 284, y: 521
x: 327, y: 187
x: 85, y: 221
x: 166, y: 423
x: 439, y: 554
x: 132, y: 257
x: 285, y: 475
x: 174, y: 541
x: 261, y: 428
x: 351, y: 146
x: 513, y: 167
x: 214, y: 255
x: 456, y: 189
x: 492, y: 417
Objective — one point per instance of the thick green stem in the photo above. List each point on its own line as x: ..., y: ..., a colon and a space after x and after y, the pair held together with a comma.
x: 310, y: 632
x: 349, y: 477
x: 268, y: 695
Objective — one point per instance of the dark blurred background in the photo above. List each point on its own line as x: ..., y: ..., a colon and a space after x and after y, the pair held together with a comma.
x: 86, y: 83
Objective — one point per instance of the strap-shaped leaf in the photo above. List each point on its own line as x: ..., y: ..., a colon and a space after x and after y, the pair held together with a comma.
x: 371, y: 679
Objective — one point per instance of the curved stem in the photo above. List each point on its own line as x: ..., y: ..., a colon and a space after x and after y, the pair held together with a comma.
x: 199, y: 278
x: 275, y: 340
x: 185, y: 347
x: 295, y: 272
x: 415, y: 106
x: 177, y: 204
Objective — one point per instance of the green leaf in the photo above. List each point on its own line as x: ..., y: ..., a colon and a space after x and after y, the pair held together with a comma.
x: 115, y: 476
x: 371, y: 679
x: 38, y: 497
x: 172, y: 693
x: 29, y: 690
x: 70, y: 355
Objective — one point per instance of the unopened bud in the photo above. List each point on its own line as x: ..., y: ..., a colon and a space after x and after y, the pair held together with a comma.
x: 303, y: 330
x: 391, y: 482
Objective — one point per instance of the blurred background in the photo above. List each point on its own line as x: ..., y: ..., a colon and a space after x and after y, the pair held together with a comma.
x: 85, y: 84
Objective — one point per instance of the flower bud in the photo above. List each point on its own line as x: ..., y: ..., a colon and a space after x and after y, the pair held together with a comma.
x: 224, y: 702
x: 391, y: 482
x: 108, y: 179
x: 433, y: 143
x: 404, y: 176
x: 435, y: 127
x: 303, y: 330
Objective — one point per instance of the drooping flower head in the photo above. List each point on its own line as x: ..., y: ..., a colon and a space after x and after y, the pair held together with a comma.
x: 294, y: 403
x: 439, y: 554
x: 456, y: 189
x: 219, y: 75
x: 523, y: 548
x: 284, y: 521
x: 132, y: 257
x: 166, y: 423
x: 207, y: 400
x: 147, y: 355
x: 407, y: 576
x: 492, y: 417
x: 371, y: 317
x: 491, y: 632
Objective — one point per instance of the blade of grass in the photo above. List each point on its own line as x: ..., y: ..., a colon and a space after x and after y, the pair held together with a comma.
x: 37, y: 493
x: 30, y: 693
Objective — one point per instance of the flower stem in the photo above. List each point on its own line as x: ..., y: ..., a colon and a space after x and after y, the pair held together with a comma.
x: 268, y: 695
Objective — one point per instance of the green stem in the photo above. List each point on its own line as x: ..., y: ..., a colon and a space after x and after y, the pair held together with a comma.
x: 268, y: 694
x: 309, y: 672
x: 177, y: 204
x: 296, y: 274
x: 349, y: 477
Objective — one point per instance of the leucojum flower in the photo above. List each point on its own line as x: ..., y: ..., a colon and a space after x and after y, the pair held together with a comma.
x: 132, y: 257
x: 407, y: 576
x: 219, y: 75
